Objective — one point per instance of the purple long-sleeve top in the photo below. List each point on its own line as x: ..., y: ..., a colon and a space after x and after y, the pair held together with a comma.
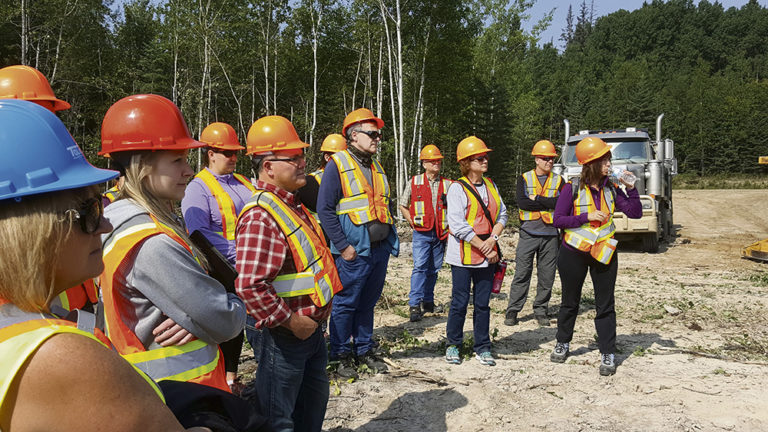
x: 626, y: 202
x: 201, y: 211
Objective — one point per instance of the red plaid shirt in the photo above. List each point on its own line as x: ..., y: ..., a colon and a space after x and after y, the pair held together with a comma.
x: 262, y: 255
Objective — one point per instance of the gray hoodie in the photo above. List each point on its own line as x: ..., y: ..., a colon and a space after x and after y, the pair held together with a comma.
x: 162, y: 280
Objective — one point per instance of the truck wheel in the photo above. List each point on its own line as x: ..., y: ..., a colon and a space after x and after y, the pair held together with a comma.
x: 651, y: 243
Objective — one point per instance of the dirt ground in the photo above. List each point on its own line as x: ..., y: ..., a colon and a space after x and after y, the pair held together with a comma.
x: 692, y: 344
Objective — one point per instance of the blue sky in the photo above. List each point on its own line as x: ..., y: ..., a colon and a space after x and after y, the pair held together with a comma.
x: 602, y: 7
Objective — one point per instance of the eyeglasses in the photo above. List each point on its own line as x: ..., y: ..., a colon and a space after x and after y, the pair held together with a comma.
x: 546, y: 158
x: 226, y: 153
x: 374, y: 135
x: 479, y: 158
x: 293, y: 161
x: 89, y: 214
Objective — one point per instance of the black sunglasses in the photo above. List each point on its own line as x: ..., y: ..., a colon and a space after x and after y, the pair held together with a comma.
x: 479, y: 158
x: 546, y: 158
x: 226, y: 153
x: 89, y: 214
x: 372, y: 134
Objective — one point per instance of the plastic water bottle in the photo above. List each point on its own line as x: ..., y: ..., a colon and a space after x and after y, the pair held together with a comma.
x: 619, y: 174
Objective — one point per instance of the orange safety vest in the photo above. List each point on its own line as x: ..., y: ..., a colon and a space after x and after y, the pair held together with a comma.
x: 22, y: 333
x: 426, y: 216
x: 475, y: 215
x: 550, y: 189
x: 593, y: 237
x: 78, y: 297
x: 195, y: 361
x: 316, y: 274
x: 111, y: 193
x: 361, y: 202
x: 226, y: 205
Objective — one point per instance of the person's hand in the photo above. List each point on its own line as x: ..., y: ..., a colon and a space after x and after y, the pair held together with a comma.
x: 168, y: 333
x: 488, y: 245
x: 532, y: 197
x: 301, y: 326
x: 349, y: 253
x: 597, y: 215
x: 493, y: 257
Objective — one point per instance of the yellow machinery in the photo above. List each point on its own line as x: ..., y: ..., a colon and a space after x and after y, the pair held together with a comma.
x: 757, y: 251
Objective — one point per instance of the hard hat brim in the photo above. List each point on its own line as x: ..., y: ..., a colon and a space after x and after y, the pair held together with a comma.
x: 486, y: 150
x: 224, y: 146
x: 379, y: 124
x: 179, y: 144
x: 292, y: 145
x: 597, y: 155
x: 553, y: 154
x: 73, y: 178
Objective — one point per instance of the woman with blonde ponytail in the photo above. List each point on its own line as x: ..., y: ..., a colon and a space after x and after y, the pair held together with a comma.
x: 163, y: 312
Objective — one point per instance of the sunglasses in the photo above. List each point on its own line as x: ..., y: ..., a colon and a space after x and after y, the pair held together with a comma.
x: 88, y: 215
x: 372, y: 134
x: 226, y: 153
x: 479, y: 158
x: 546, y: 158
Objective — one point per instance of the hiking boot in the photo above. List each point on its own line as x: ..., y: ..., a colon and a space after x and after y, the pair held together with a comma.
x: 542, y: 320
x: 431, y: 307
x: 485, y: 358
x: 560, y: 352
x: 607, y: 364
x: 415, y: 313
x: 345, y: 367
x: 452, y: 355
x: 511, y: 318
x: 374, y: 363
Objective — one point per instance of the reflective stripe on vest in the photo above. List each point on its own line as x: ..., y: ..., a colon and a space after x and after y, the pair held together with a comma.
x: 318, y: 175
x: 423, y: 213
x: 194, y: 361
x: 22, y: 333
x: 224, y: 201
x: 78, y: 296
x: 471, y: 255
x: 585, y: 237
x: 111, y: 194
x: 550, y: 189
x: 318, y: 277
x: 361, y: 202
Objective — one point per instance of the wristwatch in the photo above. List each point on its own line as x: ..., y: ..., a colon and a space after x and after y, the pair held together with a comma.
x: 495, y: 237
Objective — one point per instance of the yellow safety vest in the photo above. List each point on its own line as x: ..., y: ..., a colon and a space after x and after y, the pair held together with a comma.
x: 226, y: 205
x: 361, y: 202
x: 195, y: 361
x: 318, y: 175
x: 593, y: 237
x: 475, y: 215
x: 550, y: 189
x: 111, y: 193
x: 316, y: 274
x: 22, y: 333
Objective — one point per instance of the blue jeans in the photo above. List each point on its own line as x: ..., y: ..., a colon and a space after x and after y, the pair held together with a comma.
x: 463, y: 277
x: 291, y: 381
x: 428, y: 253
x: 253, y: 337
x: 352, y: 315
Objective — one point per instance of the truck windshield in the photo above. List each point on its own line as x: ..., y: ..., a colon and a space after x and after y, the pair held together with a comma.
x: 625, y: 151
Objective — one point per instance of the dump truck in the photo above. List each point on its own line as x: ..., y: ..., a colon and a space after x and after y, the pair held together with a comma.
x: 651, y: 161
x: 757, y: 251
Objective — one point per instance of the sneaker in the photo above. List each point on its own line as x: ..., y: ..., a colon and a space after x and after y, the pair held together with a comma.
x: 511, y: 318
x: 607, y: 364
x: 431, y: 307
x: 560, y: 353
x: 415, y: 313
x: 485, y: 358
x: 452, y: 355
x: 542, y: 320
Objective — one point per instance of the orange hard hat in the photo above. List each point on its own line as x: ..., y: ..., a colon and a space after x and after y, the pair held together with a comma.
x: 272, y: 133
x: 430, y: 152
x: 591, y: 148
x: 28, y: 83
x: 334, y: 143
x: 220, y: 136
x: 470, y: 146
x: 544, y: 148
x: 360, y: 115
x: 144, y: 122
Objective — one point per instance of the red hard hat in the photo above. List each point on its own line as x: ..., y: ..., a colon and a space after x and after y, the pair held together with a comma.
x: 144, y: 122
x: 28, y: 83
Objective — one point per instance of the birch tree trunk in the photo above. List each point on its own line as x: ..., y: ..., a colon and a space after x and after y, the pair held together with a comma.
x: 24, y: 32
x: 315, y: 30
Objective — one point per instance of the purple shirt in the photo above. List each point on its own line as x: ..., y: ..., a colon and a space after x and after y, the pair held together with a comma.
x: 628, y: 203
x: 201, y: 211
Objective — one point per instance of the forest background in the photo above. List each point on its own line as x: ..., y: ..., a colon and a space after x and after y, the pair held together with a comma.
x: 435, y: 71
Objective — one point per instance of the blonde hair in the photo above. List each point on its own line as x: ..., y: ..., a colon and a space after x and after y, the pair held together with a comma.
x: 33, y: 232
x: 136, y: 186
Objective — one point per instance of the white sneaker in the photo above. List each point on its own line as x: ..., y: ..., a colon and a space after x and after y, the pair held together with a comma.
x: 607, y: 364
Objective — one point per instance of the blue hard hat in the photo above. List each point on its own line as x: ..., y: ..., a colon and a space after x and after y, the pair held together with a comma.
x: 39, y: 155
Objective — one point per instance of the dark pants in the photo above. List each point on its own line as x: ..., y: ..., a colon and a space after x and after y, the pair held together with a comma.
x: 573, y: 266
x: 253, y: 336
x: 352, y: 314
x: 463, y: 278
x: 231, y: 350
x: 291, y: 381
x: 544, y: 249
